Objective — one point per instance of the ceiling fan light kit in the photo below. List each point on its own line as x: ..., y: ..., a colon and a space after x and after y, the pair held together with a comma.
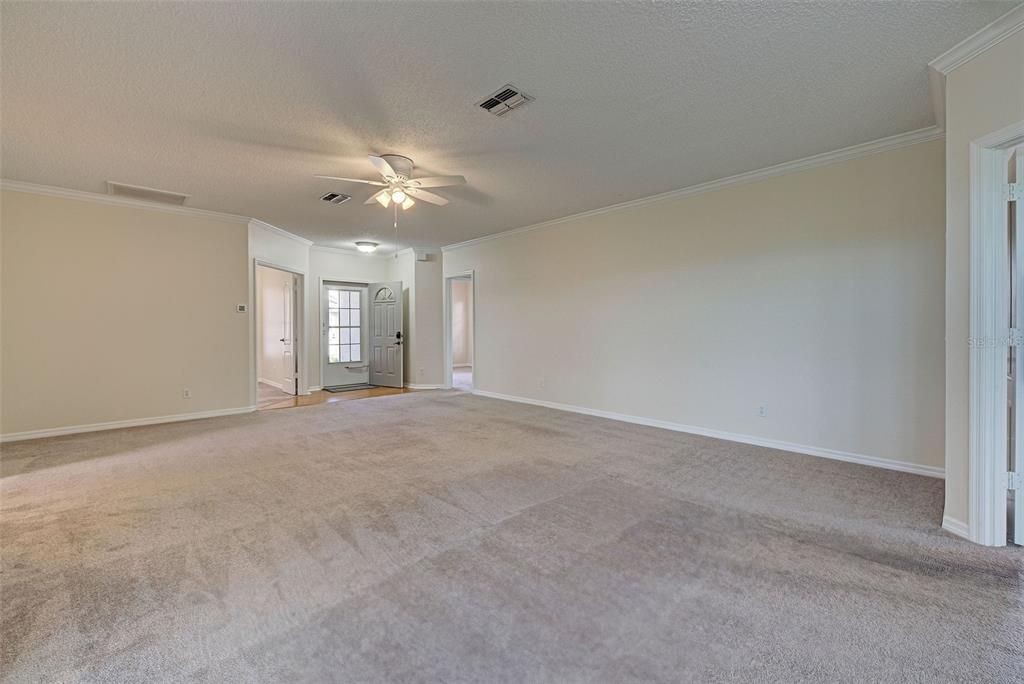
x: 399, y: 187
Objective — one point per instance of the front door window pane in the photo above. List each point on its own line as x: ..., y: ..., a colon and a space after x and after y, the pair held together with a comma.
x: 343, y: 326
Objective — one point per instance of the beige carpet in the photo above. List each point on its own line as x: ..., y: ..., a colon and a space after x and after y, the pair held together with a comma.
x: 446, y: 537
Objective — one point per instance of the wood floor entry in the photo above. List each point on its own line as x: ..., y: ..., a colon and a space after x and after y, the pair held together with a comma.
x: 269, y: 398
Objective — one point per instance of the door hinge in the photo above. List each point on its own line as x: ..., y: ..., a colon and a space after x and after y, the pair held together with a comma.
x: 1013, y: 191
x: 1013, y: 481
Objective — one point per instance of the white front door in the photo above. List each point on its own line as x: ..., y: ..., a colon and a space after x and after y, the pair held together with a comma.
x: 343, y: 348
x: 386, y: 337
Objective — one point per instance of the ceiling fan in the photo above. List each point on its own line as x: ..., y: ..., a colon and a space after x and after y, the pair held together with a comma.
x: 399, y: 188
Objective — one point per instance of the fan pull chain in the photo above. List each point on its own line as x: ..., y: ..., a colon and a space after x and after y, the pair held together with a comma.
x: 396, y: 231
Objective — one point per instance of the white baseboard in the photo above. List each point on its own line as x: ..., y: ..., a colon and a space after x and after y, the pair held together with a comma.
x: 957, y: 527
x: 423, y: 387
x: 115, y: 424
x: 271, y: 383
x: 462, y: 365
x: 313, y: 388
x: 902, y: 466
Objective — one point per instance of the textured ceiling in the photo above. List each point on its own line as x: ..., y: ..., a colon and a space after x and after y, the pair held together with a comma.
x: 238, y: 105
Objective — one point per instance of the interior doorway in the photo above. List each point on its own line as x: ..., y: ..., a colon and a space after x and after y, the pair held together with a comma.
x: 996, y: 423
x: 278, y: 339
x: 1015, y: 360
x: 460, y: 328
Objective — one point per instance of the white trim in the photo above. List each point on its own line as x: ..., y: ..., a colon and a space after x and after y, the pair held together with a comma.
x: 277, y: 385
x: 53, y: 191
x: 954, y: 526
x: 969, y: 48
x: 966, y: 50
x: 888, y: 464
x: 349, y: 252
x: 256, y: 223
x: 988, y: 341
x: 847, y: 153
x: 446, y: 318
x: 313, y: 388
x: 425, y: 387
x: 118, y: 424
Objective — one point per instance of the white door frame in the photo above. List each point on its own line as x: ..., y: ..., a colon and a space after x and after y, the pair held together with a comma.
x: 463, y: 275
x: 989, y: 335
x: 298, y: 324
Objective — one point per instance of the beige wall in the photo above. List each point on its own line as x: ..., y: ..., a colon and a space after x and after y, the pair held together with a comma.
x: 462, y: 323
x: 110, y: 311
x: 271, y: 287
x: 424, y: 341
x: 818, y: 294
x: 982, y: 96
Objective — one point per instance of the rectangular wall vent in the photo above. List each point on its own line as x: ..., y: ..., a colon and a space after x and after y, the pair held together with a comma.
x: 140, y: 192
x: 504, y: 100
x: 336, y: 198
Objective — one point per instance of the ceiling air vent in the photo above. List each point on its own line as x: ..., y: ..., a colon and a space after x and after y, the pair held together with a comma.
x: 336, y: 198
x: 146, y: 194
x: 504, y: 100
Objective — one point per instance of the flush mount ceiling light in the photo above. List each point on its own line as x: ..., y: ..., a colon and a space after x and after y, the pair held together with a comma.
x: 398, y: 187
x: 365, y: 246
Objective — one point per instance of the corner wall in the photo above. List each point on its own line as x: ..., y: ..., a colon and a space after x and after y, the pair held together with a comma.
x: 110, y: 311
x: 817, y: 295
x: 983, y: 95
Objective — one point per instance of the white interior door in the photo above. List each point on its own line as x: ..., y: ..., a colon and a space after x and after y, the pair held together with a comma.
x: 1017, y: 300
x: 343, y: 355
x: 386, y: 336
x: 289, y: 367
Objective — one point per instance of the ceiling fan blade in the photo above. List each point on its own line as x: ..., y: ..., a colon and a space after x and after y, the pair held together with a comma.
x: 352, y: 180
x: 427, y: 196
x: 381, y: 196
x: 437, y: 181
x: 381, y: 164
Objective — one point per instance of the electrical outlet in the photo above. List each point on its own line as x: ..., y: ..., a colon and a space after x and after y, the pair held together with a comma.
x: 762, y: 411
x: 186, y: 393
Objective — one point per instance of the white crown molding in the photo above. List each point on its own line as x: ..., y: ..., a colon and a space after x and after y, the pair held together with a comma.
x: 966, y: 50
x: 116, y: 424
x: 256, y: 223
x: 845, y: 154
x: 969, y: 48
x: 53, y: 191
x: 834, y: 454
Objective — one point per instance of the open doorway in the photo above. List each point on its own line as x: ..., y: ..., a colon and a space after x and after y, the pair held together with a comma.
x: 278, y: 340
x: 460, y: 356
x: 996, y: 423
x: 1015, y: 360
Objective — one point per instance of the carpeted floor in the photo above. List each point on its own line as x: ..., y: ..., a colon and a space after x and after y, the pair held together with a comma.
x: 442, y: 536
